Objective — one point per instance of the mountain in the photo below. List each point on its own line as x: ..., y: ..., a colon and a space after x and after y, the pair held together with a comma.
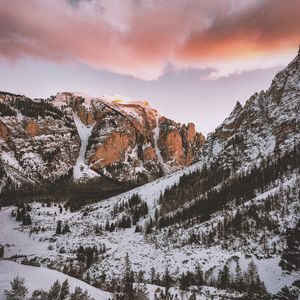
x: 252, y: 150
x: 268, y: 124
x: 72, y: 136
x: 226, y: 227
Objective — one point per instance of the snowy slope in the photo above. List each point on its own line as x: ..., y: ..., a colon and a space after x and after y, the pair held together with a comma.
x: 157, y: 250
x: 156, y: 137
x: 19, y: 242
x: 150, y: 192
x: 81, y: 169
x: 41, y: 278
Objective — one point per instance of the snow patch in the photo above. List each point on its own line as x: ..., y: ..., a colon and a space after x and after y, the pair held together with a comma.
x: 81, y: 169
x: 9, y: 158
x: 156, y: 137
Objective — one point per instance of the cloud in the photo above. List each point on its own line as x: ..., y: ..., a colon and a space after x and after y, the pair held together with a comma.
x: 142, y: 37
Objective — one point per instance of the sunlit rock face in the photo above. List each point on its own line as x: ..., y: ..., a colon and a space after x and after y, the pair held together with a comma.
x: 128, y: 141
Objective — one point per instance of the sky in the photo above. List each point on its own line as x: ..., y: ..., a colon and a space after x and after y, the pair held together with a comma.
x: 190, y: 59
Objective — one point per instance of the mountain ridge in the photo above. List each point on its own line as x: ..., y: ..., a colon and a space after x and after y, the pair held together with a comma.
x: 70, y: 136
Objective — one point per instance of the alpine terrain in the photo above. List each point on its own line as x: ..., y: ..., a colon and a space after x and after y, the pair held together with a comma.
x: 108, y: 192
x: 107, y: 144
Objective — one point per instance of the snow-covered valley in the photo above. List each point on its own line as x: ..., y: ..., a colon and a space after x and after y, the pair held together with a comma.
x: 40, y: 243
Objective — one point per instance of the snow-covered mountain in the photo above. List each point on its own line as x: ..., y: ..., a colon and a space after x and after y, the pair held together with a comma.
x: 268, y: 124
x: 72, y: 136
x: 228, y: 226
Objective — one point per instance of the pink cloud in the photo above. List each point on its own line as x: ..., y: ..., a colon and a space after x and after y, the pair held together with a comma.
x: 140, y: 38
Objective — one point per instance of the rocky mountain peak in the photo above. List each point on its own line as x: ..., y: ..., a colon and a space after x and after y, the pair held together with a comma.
x: 267, y: 123
x: 75, y: 136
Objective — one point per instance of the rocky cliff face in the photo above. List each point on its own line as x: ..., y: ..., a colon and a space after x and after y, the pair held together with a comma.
x: 130, y: 141
x: 268, y: 124
x: 75, y: 136
x: 38, y: 142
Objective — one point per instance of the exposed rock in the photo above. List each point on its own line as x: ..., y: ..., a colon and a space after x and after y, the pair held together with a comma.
x: 172, y: 146
x: 4, y: 132
x: 149, y: 154
x: 129, y: 141
x: 268, y: 123
x: 111, y: 151
x: 32, y: 128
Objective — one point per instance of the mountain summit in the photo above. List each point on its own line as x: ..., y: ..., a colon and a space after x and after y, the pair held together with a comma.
x: 72, y: 136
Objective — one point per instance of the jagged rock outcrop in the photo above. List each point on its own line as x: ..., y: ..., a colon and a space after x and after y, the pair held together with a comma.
x: 38, y: 143
x: 267, y: 124
x: 130, y: 141
x: 48, y: 140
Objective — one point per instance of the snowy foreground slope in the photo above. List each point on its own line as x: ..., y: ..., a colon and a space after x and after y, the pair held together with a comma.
x: 41, y: 278
x: 155, y: 250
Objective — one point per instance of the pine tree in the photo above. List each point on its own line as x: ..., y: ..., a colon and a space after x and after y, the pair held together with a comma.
x: 39, y: 295
x: 65, y: 290
x: 128, y: 279
x: 224, y: 277
x: 107, y: 227
x: 199, y: 275
x: 103, y: 277
x: 141, y: 292
x: 183, y: 284
x: 1, y: 251
x: 18, y: 290
x: 167, y: 279
x: 152, y: 275
x: 54, y: 291
x: 58, y: 228
x: 79, y: 294
x: 19, y: 215
x: 238, y: 280
x: 66, y: 229
x: 26, y: 219
x: 290, y: 259
x: 251, y: 273
x: 140, y: 276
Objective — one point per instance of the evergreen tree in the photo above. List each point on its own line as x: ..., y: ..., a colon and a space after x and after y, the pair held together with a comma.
x: 238, y: 280
x: 289, y: 293
x: 140, y: 276
x: 152, y: 275
x: 79, y: 294
x: 39, y: 295
x: 167, y: 279
x: 66, y: 229
x: 1, y: 251
x: 183, y: 282
x: 199, y: 275
x: 224, y: 278
x: 54, y: 291
x: 18, y: 290
x: 58, y: 227
x: 290, y: 259
x: 26, y: 219
x: 128, y: 279
x: 141, y: 292
x: 65, y: 290
x: 107, y: 225
x: 251, y: 273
